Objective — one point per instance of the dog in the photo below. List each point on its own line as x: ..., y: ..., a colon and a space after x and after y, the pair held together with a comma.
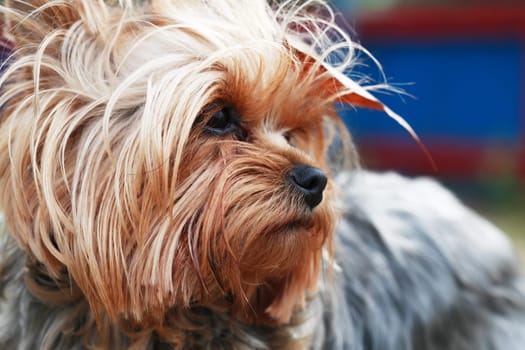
x: 173, y: 175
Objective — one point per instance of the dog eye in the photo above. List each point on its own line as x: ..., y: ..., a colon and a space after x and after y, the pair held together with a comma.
x: 288, y: 136
x: 290, y: 139
x: 223, y: 122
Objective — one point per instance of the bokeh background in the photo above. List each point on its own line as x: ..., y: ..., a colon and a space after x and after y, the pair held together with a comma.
x: 461, y: 66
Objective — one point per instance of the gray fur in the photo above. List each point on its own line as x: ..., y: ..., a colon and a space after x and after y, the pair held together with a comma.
x: 415, y: 270
x: 420, y: 271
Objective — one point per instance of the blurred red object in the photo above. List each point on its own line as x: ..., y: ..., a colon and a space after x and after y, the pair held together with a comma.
x: 429, y: 22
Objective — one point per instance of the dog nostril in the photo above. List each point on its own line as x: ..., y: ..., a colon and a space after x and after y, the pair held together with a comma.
x: 310, y: 182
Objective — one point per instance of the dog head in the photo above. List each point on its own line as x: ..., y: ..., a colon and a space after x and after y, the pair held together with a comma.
x: 173, y: 153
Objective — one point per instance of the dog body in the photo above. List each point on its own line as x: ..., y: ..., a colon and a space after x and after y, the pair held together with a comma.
x: 421, y: 271
x: 167, y: 179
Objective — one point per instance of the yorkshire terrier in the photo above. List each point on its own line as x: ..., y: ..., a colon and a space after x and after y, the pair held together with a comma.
x: 173, y: 175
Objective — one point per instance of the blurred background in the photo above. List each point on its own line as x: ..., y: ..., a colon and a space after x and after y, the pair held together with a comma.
x: 461, y: 66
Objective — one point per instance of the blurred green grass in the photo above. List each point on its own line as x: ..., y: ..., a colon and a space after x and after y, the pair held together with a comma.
x: 510, y: 219
x: 500, y: 200
x: 513, y: 225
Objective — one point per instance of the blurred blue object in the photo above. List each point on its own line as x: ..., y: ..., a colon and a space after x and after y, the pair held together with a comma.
x: 468, y: 91
x: 462, y: 69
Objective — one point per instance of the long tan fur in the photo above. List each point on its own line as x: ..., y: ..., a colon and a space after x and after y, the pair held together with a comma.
x: 107, y: 178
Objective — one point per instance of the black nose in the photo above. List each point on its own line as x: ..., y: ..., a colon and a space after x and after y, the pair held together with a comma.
x: 310, y: 182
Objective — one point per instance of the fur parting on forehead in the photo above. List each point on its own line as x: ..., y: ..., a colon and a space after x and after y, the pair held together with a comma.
x: 204, y: 28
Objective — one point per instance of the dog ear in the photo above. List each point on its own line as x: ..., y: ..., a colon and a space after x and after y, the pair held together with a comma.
x: 342, y: 89
x: 345, y: 90
x: 29, y: 21
x: 337, y: 86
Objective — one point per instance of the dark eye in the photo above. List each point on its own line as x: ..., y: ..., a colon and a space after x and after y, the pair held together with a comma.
x: 223, y: 122
x: 288, y: 136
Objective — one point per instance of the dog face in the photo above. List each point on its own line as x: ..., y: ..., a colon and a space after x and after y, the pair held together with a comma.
x: 170, y: 154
